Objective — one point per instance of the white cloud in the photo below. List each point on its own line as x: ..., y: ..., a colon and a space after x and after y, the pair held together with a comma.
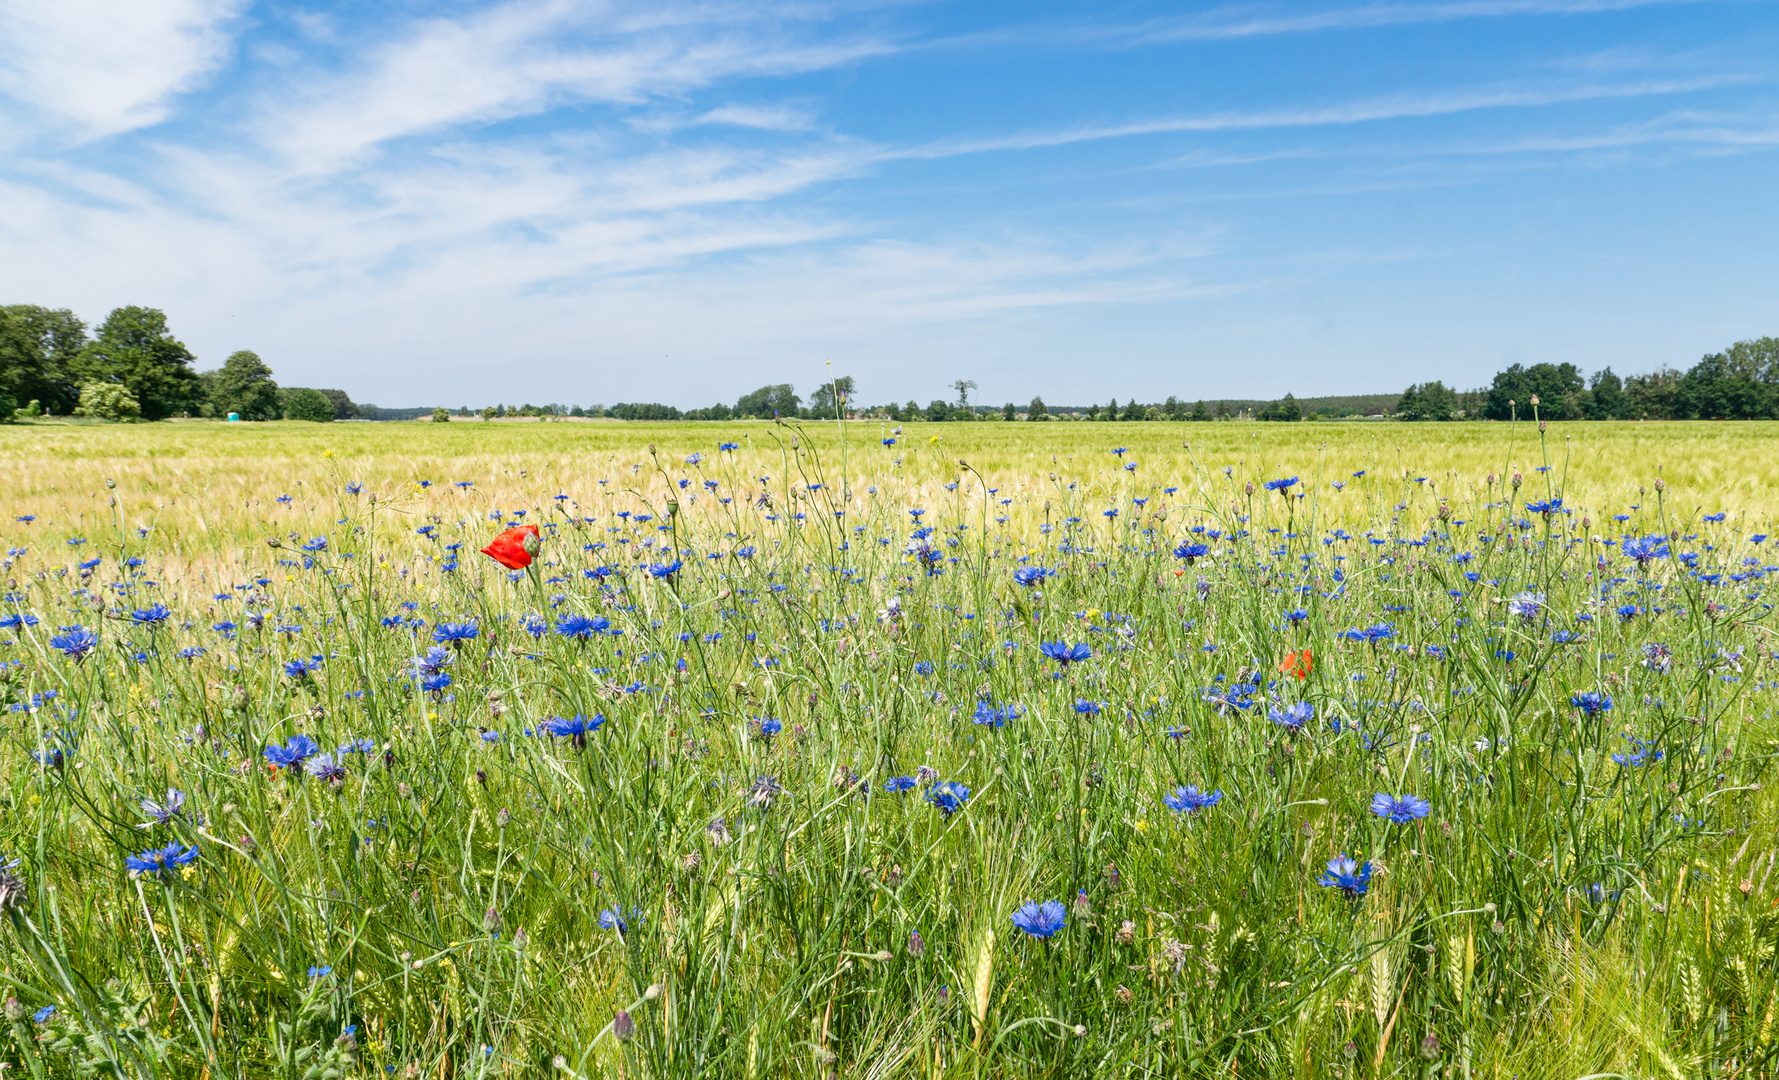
x: 107, y: 66
x: 1395, y: 107
x: 765, y: 118
x: 526, y: 58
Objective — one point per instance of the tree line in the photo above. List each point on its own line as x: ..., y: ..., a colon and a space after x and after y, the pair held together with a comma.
x: 131, y: 367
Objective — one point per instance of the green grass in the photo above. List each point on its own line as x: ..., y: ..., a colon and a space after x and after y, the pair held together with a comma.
x: 1559, y: 913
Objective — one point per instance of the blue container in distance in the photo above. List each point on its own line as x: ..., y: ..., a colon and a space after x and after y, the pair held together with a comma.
x: 234, y: 418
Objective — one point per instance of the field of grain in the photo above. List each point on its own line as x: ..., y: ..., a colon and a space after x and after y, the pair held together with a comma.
x: 988, y: 749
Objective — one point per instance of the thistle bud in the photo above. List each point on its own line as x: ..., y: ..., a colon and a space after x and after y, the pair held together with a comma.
x: 15, y: 1009
x: 623, y: 1028
x: 1127, y: 932
x: 917, y: 945
x: 1430, y: 1045
x: 1660, y: 485
x: 491, y: 921
x: 504, y: 818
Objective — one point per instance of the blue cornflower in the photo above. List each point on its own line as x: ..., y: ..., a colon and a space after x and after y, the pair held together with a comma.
x: 1041, y: 920
x: 614, y: 918
x: 1296, y: 616
x: 1350, y: 877
x: 1627, y: 612
x: 1191, y: 552
x: 300, y: 668
x: 1545, y: 507
x: 191, y: 652
x: 895, y: 785
x: 1371, y: 635
x: 436, y: 660
x: 575, y: 728
x: 1526, y: 605
x: 316, y: 546
x: 436, y: 683
x: 1280, y: 485
x: 581, y: 627
x: 74, y: 642
x: 1401, y: 809
x: 728, y: 446
x: 164, y: 812
x: 1645, y: 549
x: 160, y: 861
x: 1642, y: 753
x: 452, y: 633
x: 1029, y: 575
x: 43, y: 1014
x: 1591, y: 703
x: 1086, y: 707
x: 326, y: 767
x: 664, y: 570
x: 153, y: 615
x: 1190, y: 800
x: 1292, y: 717
x: 320, y: 971
x: 988, y: 714
x: 293, y: 753
x: 949, y: 796
x: 925, y: 667
x: 1064, y: 653
x: 358, y: 746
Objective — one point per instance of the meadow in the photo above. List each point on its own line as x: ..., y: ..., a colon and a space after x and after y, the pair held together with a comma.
x: 986, y: 749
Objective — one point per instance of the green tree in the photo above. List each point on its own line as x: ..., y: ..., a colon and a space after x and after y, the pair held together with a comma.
x: 306, y: 404
x: 1009, y: 411
x: 1557, y: 387
x: 38, y: 347
x: 243, y: 385
x: 938, y: 411
x: 1651, y: 396
x: 1428, y: 401
x: 107, y: 401
x: 1285, y: 410
x: 1037, y: 410
x: 441, y: 415
x: 777, y: 399
x: 1606, y: 399
x: 963, y: 388
x: 1723, y: 387
x: 134, y: 348
x: 1199, y: 412
x: 831, y: 397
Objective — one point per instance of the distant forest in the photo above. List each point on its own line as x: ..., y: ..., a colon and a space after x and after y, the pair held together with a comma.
x: 131, y: 367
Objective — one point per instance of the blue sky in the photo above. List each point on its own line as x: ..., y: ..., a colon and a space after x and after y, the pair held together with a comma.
x: 599, y: 202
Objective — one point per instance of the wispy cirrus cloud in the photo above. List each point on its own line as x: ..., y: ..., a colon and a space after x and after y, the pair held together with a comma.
x: 1370, y: 110
x: 528, y: 58
x: 93, y: 68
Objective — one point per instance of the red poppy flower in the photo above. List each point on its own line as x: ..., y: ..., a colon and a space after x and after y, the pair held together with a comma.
x: 1299, y: 664
x: 514, y: 548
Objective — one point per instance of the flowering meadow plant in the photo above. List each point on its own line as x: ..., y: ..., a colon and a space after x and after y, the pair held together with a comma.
x: 746, y: 753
